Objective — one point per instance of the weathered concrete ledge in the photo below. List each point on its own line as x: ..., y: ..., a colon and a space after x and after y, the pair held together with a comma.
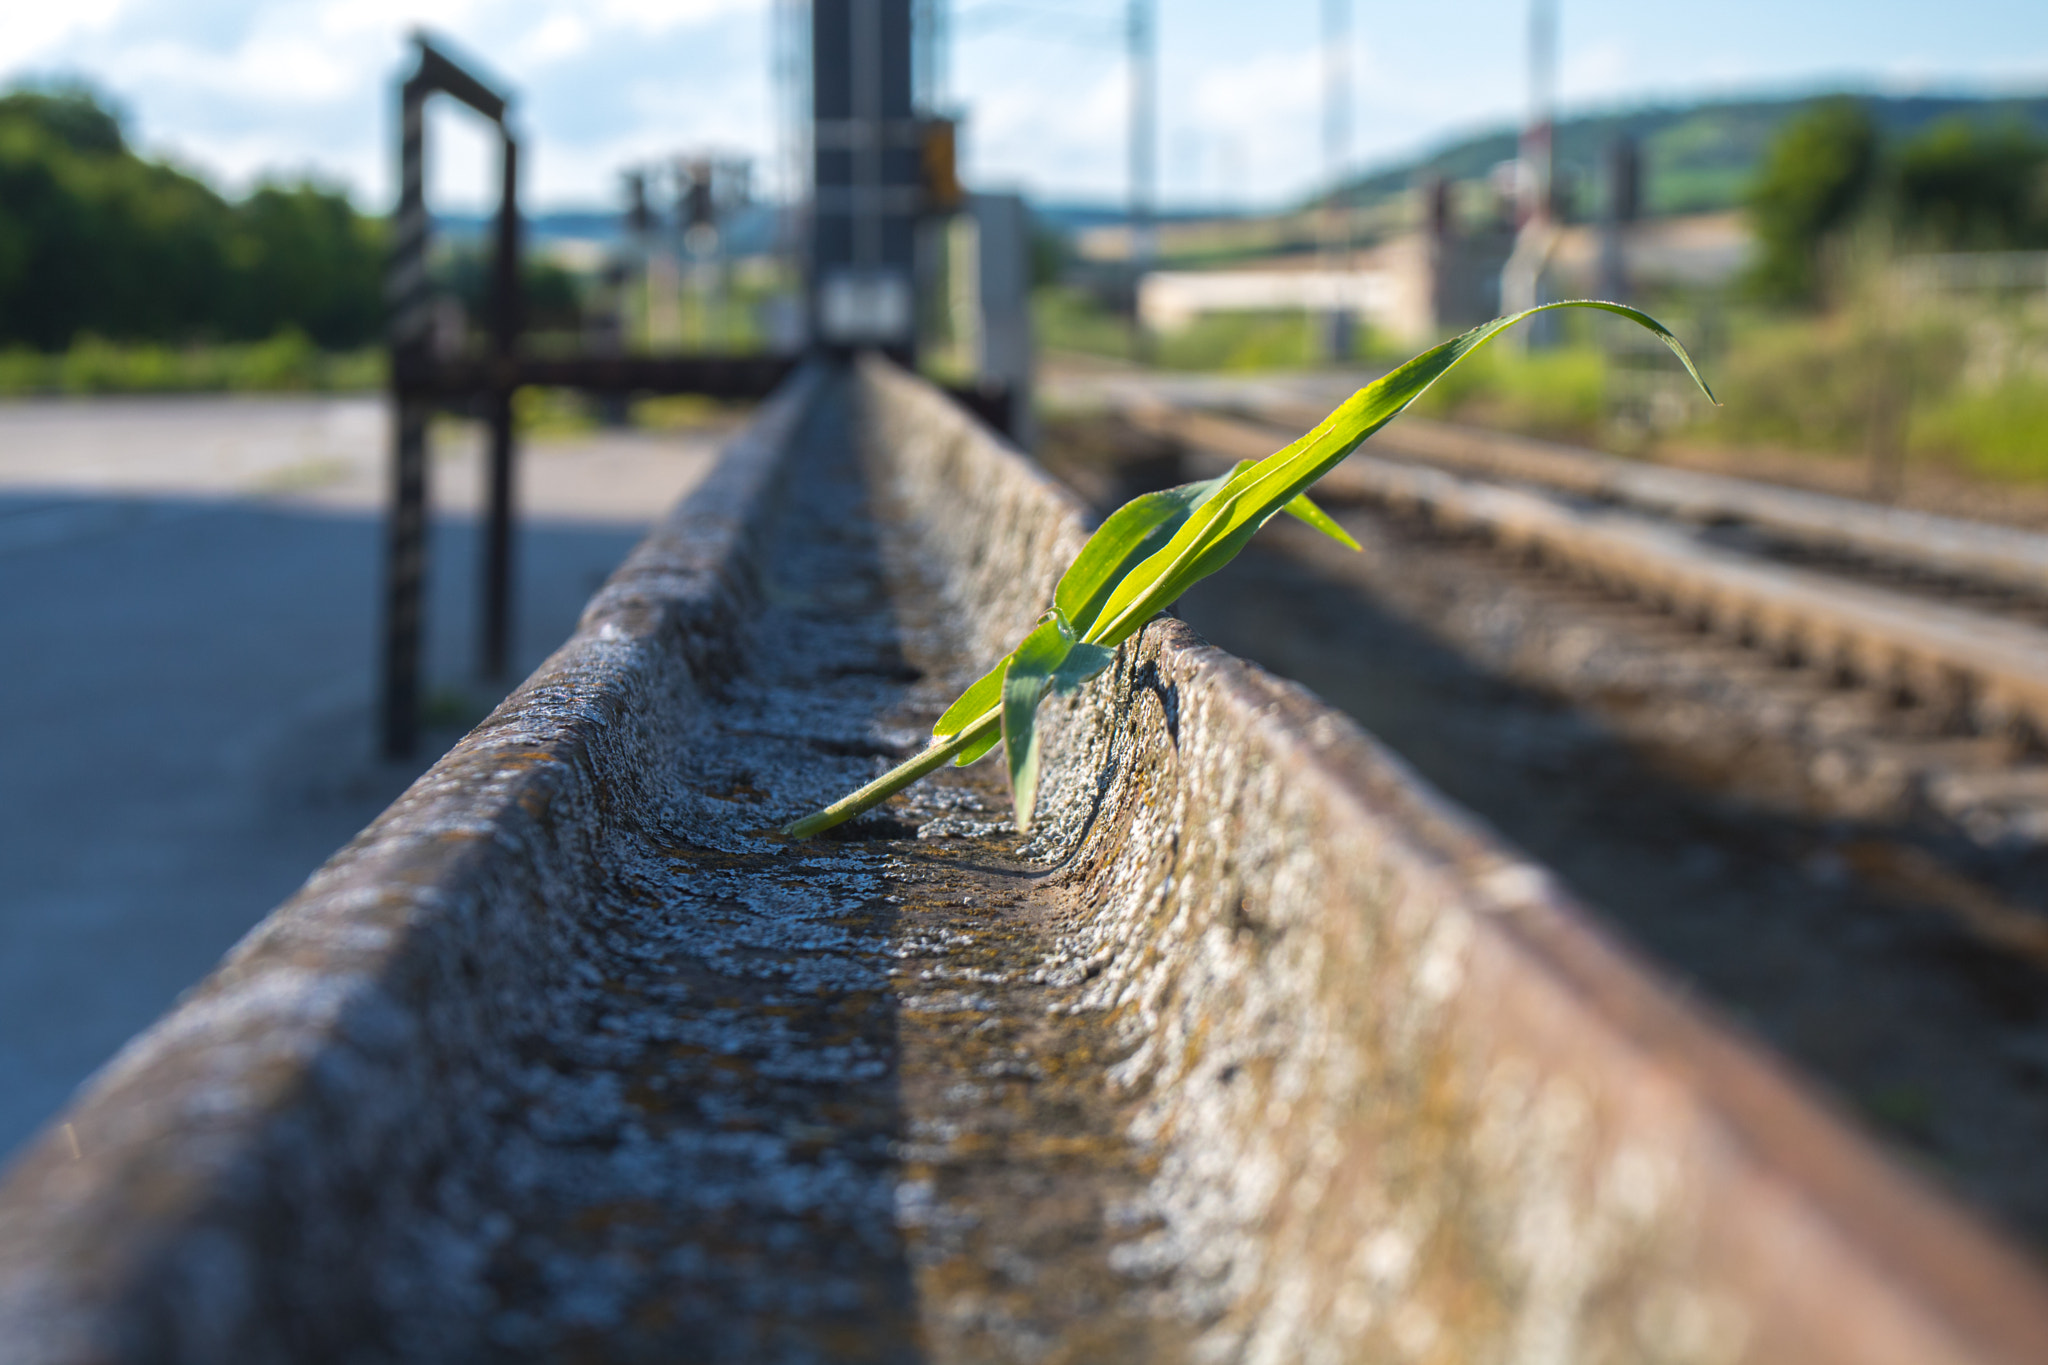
x: 1410, y: 1102
x: 250, y: 1179
x: 1396, y: 1098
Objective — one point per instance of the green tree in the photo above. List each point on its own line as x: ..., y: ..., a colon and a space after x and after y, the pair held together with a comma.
x: 71, y: 114
x: 1964, y: 187
x: 302, y: 257
x: 550, y: 299
x: 96, y: 241
x: 1816, y: 176
x: 103, y: 243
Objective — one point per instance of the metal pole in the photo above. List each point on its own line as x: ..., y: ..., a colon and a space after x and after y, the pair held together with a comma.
x: 1336, y: 218
x: 1336, y: 116
x: 1536, y: 142
x: 495, y: 645
x: 1522, y: 277
x: 865, y: 20
x: 1140, y: 36
x: 406, y: 533
x: 921, y: 52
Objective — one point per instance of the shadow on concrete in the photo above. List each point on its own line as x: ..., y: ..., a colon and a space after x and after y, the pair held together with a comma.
x: 1918, y: 1027
x: 187, y: 718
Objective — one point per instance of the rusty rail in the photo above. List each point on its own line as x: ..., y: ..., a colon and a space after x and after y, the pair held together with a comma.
x: 1970, y: 550
x: 1999, y: 665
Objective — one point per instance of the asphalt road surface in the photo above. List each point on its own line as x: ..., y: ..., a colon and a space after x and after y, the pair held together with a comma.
x: 189, y: 605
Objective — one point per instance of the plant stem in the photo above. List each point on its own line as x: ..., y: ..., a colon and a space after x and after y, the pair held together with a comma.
x: 895, y: 780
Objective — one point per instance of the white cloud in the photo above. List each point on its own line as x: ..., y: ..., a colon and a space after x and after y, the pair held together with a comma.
x: 236, y: 162
x: 558, y: 36
x: 663, y: 16
x: 1268, y: 110
x: 242, y: 86
x: 265, y: 69
x: 1598, y: 71
x: 1272, y: 85
x: 33, y: 32
x: 389, y: 19
x: 1015, y: 134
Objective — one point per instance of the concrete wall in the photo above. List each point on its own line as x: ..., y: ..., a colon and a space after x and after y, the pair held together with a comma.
x: 1400, y: 1099
x: 260, y: 1176
x: 1410, y: 1102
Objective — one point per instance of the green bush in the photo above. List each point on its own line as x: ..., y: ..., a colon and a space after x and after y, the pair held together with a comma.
x: 1851, y: 383
x: 1241, y: 341
x: 1829, y: 384
x: 1558, y: 393
x: 1959, y: 185
x: 1815, y: 176
x: 1962, y: 187
x: 2000, y: 431
x: 286, y: 361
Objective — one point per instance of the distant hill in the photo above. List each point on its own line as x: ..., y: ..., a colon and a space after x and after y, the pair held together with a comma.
x: 750, y: 231
x: 1071, y: 216
x: 1696, y: 157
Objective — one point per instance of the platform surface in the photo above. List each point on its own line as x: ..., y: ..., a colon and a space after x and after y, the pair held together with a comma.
x: 189, y: 591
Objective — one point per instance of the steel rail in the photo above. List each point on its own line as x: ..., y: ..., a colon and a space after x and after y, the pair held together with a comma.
x: 1881, y: 637
x: 1952, y: 546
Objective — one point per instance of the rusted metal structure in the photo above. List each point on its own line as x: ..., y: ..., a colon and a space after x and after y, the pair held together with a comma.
x: 879, y: 167
x: 426, y: 375
x: 409, y: 296
x: 876, y: 167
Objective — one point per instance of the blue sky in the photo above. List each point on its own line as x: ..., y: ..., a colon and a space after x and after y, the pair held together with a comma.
x: 240, y: 88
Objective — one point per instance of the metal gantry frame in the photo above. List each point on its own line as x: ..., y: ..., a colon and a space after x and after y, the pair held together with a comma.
x: 877, y: 165
x: 426, y: 376
x: 413, y: 346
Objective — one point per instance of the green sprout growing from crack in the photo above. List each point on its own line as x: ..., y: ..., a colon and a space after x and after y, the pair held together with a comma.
x: 1149, y: 552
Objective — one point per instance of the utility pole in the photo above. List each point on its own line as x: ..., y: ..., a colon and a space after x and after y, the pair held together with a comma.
x: 1143, y: 57
x: 791, y: 34
x: 930, y: 76
x: 866, y: 173
x: 1536, y: 138
x: 1521, y: 279
x: 1336, y: 217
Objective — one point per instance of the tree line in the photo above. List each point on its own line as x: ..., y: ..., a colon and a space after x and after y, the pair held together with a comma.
x: 98, y: 241
x: 1831, y: 174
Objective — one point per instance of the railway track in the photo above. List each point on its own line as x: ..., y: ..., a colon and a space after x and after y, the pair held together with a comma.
x: 1909, y: 651
x: 1810, y: 782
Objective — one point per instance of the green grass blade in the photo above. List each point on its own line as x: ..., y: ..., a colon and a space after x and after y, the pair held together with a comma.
x: 1128, y: 536
x: 1150, y: 551
x: 984, y: 693
x: 1217, y: 529
x: 1025, y: 684
x: 1303, y: 510
x: 1301, y: 507
x: 978, y: 750
x: 896, y: 779
x: 1082, y: 663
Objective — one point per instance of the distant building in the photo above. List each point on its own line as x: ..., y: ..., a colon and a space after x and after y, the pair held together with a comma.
x: 1421, y: 285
